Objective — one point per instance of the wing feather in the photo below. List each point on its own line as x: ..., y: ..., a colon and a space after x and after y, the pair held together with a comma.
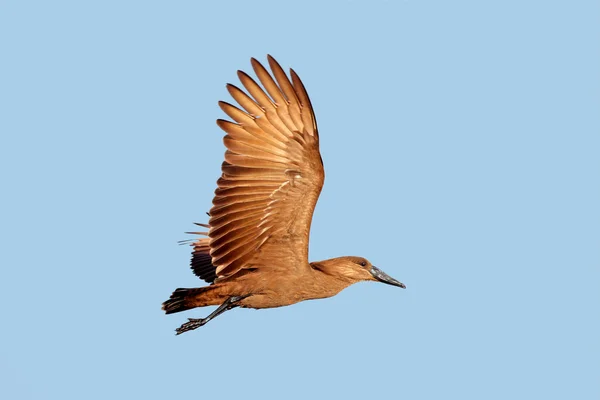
x: 271, y: 177
x: 239, y: 116
x: 255, y: 150
x: 244, y: 100
x: 256, y: 91
x: 250, y: 132
x: 288, y: 91
x: 228, y: 221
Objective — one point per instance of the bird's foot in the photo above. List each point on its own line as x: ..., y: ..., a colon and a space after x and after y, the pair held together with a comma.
x: 192, y: 324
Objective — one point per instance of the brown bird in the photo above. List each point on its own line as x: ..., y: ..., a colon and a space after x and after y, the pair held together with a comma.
x: 256, y: 253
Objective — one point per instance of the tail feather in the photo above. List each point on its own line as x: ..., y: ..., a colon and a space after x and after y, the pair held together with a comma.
x: 184, y: 299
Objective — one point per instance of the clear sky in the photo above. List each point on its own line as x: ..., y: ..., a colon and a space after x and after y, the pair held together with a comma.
x: 460, y: 141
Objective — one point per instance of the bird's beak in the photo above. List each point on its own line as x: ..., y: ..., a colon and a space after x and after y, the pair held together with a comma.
x: 385, y: 278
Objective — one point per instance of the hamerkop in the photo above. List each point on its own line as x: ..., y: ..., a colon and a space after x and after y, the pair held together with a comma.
x: 256, y: 252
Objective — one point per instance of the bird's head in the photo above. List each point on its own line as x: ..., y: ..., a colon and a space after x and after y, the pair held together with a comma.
x: 356, y: 269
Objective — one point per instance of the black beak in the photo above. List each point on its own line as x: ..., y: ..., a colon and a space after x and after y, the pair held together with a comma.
x: 385, y: 278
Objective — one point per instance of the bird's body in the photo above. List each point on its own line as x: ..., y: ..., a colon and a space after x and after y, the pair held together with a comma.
x: 256, y: 253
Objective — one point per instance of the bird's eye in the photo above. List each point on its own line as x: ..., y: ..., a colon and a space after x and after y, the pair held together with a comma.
x: 363, y: 264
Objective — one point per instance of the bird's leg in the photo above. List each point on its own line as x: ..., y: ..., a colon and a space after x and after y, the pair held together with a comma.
x: 194, y: 323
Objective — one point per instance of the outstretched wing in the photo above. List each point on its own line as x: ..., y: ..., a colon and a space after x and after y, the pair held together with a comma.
x: 271, y: 177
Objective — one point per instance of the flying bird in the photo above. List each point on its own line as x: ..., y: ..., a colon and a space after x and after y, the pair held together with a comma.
x: 255, y: 254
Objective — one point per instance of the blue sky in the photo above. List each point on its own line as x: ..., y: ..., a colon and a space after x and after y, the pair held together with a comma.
x: 460, y: 141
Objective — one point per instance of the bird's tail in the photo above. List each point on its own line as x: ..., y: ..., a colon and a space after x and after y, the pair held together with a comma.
x: 185, y: 299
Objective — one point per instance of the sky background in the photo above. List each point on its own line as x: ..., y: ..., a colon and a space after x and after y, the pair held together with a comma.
x: 460, y: 141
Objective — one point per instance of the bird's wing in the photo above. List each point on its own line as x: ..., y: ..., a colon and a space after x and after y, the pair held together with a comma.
x: 201, y: 262
x: 272, y: 174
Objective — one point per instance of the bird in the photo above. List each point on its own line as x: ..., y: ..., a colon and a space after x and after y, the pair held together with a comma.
x: 254, y: 251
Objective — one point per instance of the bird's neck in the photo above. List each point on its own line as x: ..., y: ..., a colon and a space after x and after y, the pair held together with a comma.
x: 328, y: 283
